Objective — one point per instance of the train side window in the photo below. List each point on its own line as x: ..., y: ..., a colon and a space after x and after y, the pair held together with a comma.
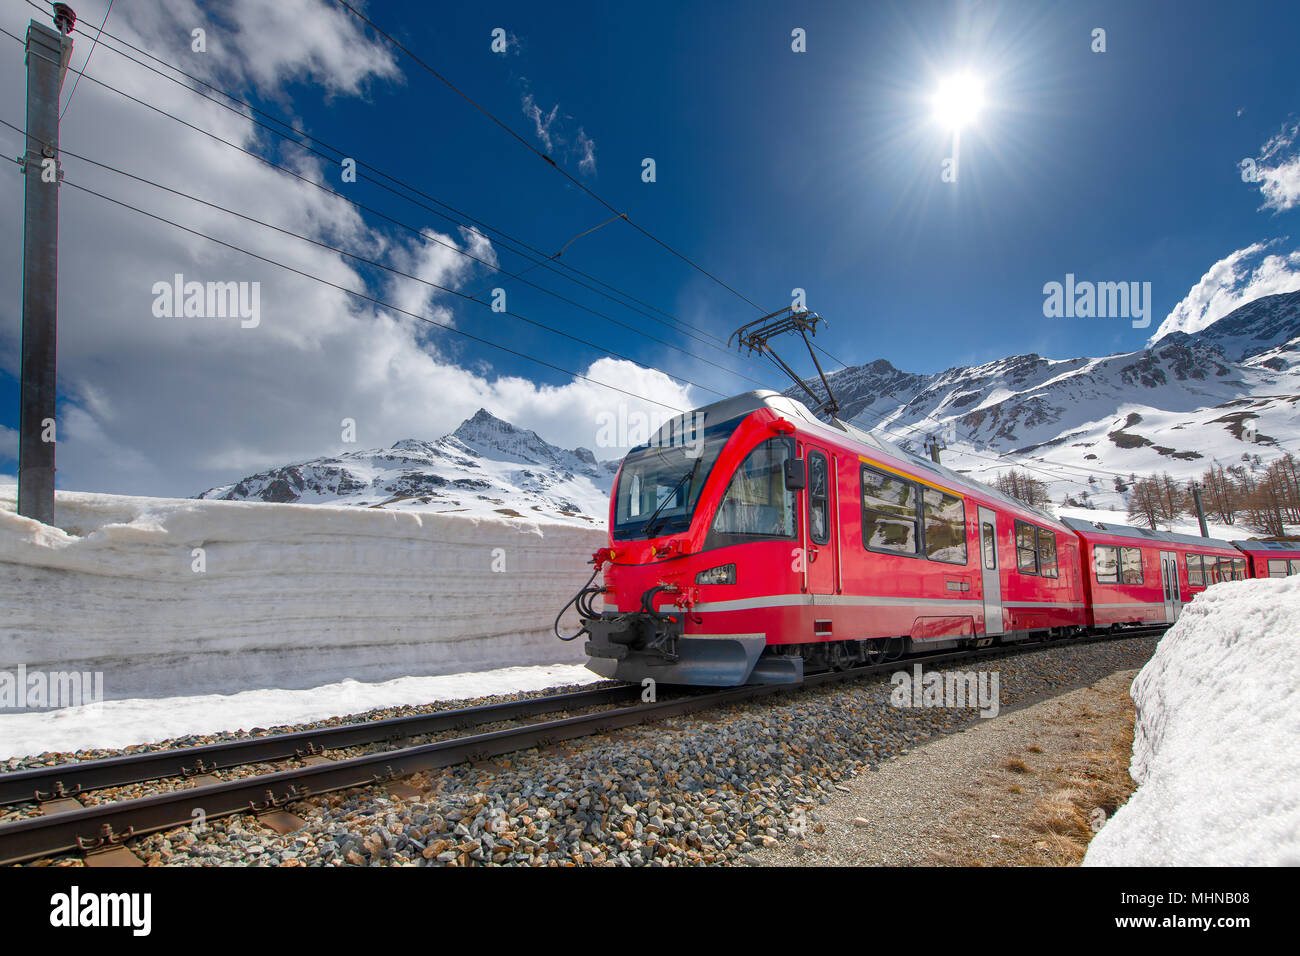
x: 1277, y: 568
x: 1047, y: 553
x: 757, y: 503
x: 1195, y: 571
x: 945, y: 526
x: 990, y: 544
x: 819, y: 500
x: 1106, y: 565
x: 1026, y: 548
x: 1131, y: 565
x: 1295, y: 567
x: 889, y: 513
x: 1239, y: 568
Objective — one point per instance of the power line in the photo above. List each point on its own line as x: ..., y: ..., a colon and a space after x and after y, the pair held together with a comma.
x: 551, y: 162
x: 367, y: 261
x: 369, y: 298
x: 563, y: 172
x: 545, y: 261
x: 414, y: 230
x: 376, y: 264
x: 93, y: 43
x: 689, y: 330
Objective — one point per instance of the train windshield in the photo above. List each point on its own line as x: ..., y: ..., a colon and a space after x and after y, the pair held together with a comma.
x: 660, y: 484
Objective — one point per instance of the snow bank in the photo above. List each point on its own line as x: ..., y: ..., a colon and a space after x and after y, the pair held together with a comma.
x: 122, y: 723
x: 1216, y: 751
x: 288, y: 596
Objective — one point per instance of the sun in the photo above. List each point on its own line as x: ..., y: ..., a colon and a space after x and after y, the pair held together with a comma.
x: 958, y: 100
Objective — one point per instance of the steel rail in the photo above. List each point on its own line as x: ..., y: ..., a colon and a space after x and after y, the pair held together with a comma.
x: 70, y: 779
x: 111, y: 823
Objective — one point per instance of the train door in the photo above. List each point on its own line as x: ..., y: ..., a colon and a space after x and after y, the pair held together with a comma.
x: 990, y: 571
x: 821, y: 525
x: 1169, y: 578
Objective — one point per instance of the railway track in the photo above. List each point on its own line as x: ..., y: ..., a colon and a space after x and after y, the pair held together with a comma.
x: 100, y: 831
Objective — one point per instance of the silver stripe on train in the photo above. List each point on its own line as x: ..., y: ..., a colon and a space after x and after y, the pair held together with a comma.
x: 852, y: 600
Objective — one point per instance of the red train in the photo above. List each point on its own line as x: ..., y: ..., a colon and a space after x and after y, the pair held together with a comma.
x: 749, y: 540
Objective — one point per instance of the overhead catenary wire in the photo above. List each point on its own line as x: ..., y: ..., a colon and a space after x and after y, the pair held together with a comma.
x: 684, y: 327
x: 371, y: 262
x: 379, y: 302
x: 372, y: 299
x: 543, y: 260
x: 93, y: 43
x: 551, y: 162
x: 432, y: 238
x: 418, y: 232
x: 533, y: 149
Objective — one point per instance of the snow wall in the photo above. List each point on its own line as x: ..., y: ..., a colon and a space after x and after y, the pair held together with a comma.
x: 290, y: 596
x: 1216, y: 749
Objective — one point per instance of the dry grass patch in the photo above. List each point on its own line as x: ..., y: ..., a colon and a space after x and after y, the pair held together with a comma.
x: 1043, y: 802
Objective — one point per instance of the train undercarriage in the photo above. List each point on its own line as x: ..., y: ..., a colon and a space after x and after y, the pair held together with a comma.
x: 635, y: 646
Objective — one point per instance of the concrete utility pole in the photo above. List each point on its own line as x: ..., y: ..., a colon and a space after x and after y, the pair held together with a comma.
x: 47, y: 63
x: 1200, y: 508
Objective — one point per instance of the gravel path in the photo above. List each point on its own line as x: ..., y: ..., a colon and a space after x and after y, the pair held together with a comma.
x: 702, y: 789
x: 978, y: 796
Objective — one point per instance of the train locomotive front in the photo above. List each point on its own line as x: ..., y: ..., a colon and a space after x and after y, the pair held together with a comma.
x: 704, y: 529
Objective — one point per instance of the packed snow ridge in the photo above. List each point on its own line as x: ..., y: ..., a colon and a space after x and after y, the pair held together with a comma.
x: 1215, y: 751
x: 177, y: 597
x: 486, y: 466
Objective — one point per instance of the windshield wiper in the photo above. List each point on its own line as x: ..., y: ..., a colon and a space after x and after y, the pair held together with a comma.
x: 650, y: 522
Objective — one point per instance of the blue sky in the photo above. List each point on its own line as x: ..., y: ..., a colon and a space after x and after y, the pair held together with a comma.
x: 775, y: 170
x: 821, y: 170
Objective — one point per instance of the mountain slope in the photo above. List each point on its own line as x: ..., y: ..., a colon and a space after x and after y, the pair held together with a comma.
x: 1189, y: 400
x: 485, y: 465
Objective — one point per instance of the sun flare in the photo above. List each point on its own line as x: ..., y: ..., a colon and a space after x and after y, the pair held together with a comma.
x: 958, y: 100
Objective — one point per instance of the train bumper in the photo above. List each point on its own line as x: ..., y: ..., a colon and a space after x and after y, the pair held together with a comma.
x: 633, y: 647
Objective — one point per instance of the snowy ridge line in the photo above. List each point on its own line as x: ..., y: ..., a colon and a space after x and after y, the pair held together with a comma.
x: 175, y: 597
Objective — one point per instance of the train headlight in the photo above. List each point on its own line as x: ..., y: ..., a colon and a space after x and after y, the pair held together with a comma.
x: 726, y: 574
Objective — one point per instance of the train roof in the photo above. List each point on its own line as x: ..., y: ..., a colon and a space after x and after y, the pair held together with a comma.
x: 1144, y: 534
x: 747, y: 402
x: 1267, y: 545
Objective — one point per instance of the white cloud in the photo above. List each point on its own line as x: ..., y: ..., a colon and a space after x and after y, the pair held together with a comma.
x: 1230, y: 283
x: 435, y: 262
x: 174, y: 405
x: 541, y: 121
x: 549, y: 129
x: 586, y: 152
x: 305, y: 41
x: 1278, y: 168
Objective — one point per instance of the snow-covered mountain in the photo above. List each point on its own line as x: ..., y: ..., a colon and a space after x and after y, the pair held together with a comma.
x: 485, y: 466
x: 1184, y: 403
x: 1180, y: 405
